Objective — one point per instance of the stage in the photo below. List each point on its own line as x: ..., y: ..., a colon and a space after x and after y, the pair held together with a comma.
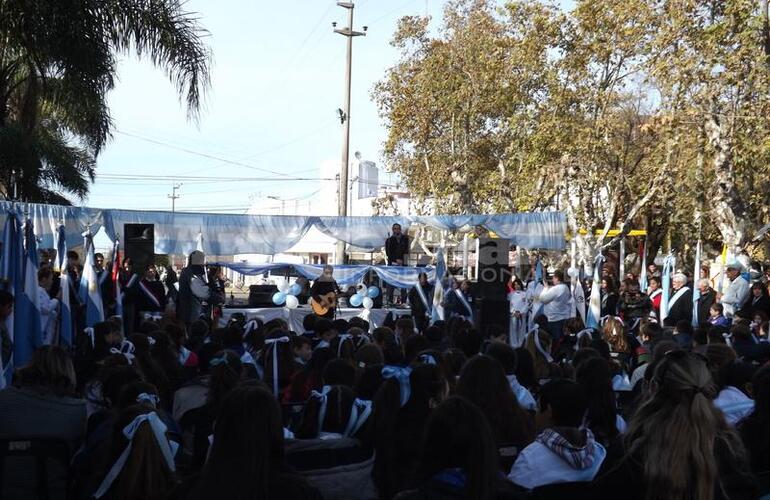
x: 295, y: 317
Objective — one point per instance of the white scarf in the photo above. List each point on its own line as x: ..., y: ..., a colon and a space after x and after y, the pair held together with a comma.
x: 655, y: 293
x: 677, y: 295
x: 464, y: 302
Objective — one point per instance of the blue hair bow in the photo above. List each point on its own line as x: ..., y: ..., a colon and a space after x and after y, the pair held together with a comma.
x: 402, y: 376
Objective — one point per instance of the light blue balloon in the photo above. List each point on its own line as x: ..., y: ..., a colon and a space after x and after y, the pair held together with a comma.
x: 295, y: 289
x: 373, y: 292
x: 356, y: 300
x: 279, y: 298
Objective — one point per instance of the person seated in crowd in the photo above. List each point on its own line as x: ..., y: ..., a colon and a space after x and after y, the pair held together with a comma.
x: 683, y: 334
x: 506, y: 356
x: 747, y: 346
x: 755, y: 429
x: 302, y: 349
x: 716, y: 315
x: 623, y: 347
x: 595, y: 377
x: 759, y: 301
x: 325, y: 332
x: 564, y: 451
x: 247, y: 460
x: 482, y: 381
x: 42, y: 403
x: 458, y: 458
x: 310, y: 378
x: 538, y: 343
x: 402, y: 407
x: 678, y: 442
x: 734, y: 383
x: 141, y: 459
x: 634, y: 305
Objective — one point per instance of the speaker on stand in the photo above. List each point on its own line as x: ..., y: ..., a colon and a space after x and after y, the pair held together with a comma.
x: 139, y: 245
x: 492, y: 274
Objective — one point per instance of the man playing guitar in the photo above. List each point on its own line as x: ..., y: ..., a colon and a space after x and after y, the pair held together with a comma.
x: 323, y: 294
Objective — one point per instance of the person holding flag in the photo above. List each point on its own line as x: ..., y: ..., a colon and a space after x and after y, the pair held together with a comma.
x: 557, y: 304
x: 129, y: 293
x: 151, y: 299
x: 90, y: 294
x: 115, y: 277
x: 49, y: 307
x: 65, y: 312
x: 419, y: 303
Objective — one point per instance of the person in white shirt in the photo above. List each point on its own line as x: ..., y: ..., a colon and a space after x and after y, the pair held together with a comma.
x: 563, y: 452
x: 49, y: 308
x: 557, y: 300
x: 737, y: 292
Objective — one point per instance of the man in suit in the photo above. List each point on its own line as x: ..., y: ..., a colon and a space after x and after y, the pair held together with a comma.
x: 397, y: 250
x: 707, y: 297
x: 680, y: 303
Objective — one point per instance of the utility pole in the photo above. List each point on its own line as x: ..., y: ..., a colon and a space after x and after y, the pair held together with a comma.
x: 342, y: 202
x: 174, y: 196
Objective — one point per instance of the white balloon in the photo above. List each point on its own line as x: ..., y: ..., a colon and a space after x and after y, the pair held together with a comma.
x: 283, y: 287
x: 361, y: 289
x: 368, y: 303
x: 292, y: 302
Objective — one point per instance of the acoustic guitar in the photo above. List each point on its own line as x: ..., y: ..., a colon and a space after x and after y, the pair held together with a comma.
x: 322, y: 304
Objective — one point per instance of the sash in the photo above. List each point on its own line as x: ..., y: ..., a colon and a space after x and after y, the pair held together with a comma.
x: 423, y: 298
x: 655, y: 293
x: 103, y: 276
x: 184, y: 355
x: 464, y: 302
x: 677, y: 295
x: 149, y: 294
x: 131, y: 282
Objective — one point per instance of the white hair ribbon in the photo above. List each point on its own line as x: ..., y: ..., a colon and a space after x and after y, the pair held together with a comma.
x: 359, y: 414
x: 343, y: 338
x: 585, y: 332
x: 403, y: 377
x: 250, y: 326
x: 535, y: 333
x: 273, y: 342
x: 91, y: 335
x: 323, y: 397
x: 127, y: 350
x: 129, y: 431
x: 151, y: 399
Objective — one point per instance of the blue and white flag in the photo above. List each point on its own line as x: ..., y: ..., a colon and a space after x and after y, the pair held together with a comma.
x: 28, y: 333
x: 643, y: 273
x: 90, y: 293
x: 65, y: 313
x: 595, y: 304
x: 579, y: 298
x: 437, y: 312
x: 537, y: 289
x: 12, y: 281
x: 695, y: 289
x: 668, y: 268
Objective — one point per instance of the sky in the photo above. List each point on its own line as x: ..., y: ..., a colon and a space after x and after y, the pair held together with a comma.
x: 276, y: 82
x: 277, y: 78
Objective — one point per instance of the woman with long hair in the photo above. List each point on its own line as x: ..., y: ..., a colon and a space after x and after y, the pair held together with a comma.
x: 401, y: 409
x: 247, y: 454
x: 539, y: 343
x: 622, y: 345
x: 678, y: 445
x: 141, y: 458
x: 459, y: 458
x: 755, y: 429
x: 483, y: 383
x: 595, y: 377
x: 609, y: 295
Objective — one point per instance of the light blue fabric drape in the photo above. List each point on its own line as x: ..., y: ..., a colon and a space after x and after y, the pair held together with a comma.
x: 398, y: 276
x: 47, y: 218
x: 180, y: 232
x: 366, y: 233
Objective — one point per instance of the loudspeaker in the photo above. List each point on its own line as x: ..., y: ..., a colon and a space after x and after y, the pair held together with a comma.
x: 139, y: 245
x: 262, y: 295
x: 493, y: 313
x: 492, y: 269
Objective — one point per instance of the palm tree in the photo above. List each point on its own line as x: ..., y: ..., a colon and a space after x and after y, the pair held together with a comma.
x: 58, y: 61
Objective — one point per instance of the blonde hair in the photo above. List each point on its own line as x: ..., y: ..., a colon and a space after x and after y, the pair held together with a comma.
x: 541, y: 364
x: 675, y: 431
x: 614, y: 333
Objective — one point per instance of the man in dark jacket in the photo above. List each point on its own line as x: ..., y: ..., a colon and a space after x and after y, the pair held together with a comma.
x: 397, y: 250
x: 707, y: 297
x: 634, y: 305
x: 193, y: 289
x: 680, y: 303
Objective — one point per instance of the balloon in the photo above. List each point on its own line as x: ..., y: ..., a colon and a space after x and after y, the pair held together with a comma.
x: 292, y: 302
x: 356, y: 300
x: 361, y: 289
x: 279, y: 298
x: 368, y: 303
x: 295, y: 290
x: 373, y: 292
x: 283, y: 287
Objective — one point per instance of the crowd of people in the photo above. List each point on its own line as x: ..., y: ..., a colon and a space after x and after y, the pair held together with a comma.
x: 181, y: 407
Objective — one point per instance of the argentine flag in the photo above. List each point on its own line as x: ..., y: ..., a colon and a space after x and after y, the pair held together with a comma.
x: 595, y: 303
x: 90, y: 294
x: 11, y: 271
x: 65, y: 314
x: 116, y: 278
x: 437, y: 313
x: 28, y: 333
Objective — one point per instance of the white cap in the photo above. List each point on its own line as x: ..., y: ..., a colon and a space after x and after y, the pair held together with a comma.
x: 734, y: 264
